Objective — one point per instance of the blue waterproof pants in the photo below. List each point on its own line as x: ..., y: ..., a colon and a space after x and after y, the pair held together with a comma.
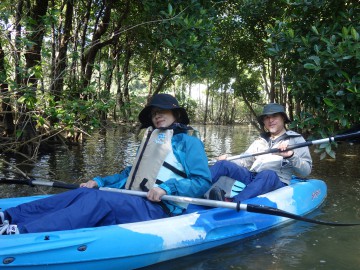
x: 80, y: 208
x: 256, y: 183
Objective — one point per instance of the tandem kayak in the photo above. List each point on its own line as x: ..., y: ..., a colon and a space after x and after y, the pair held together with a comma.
x: 139, y: 244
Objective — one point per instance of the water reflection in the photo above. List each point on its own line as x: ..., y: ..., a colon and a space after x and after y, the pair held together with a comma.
x: 226, y: 139
x: 295, y: 246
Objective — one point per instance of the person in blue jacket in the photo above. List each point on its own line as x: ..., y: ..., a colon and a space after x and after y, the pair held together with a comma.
x: 170, y: 160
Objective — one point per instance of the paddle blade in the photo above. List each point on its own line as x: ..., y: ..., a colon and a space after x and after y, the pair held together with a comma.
x: 348, y: 136
x: 262, y: 209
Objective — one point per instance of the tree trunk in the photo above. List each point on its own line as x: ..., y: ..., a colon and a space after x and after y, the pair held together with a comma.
x: 247, y: 103
x: 61, y: 59
x: 17, y: 54
x: 5, y: 100
x: 206, y: 101
x: 151, y: 76
x: 108, y: 79
x: 212, y: 108
x: 36, y: 31
x: 233, y: 109
x: 84, y: 24
x: 264, y: 76
x: 220, y: 110
x: 128, y: 54
x: 165, y: 78
x: 290, y: 106
x: 272, y: 81
x: 96, y: 45
x: 190, y: 86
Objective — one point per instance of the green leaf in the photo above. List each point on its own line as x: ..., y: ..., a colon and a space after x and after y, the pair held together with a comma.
x: 328, y: 148
x: 291, y: 33
x: 343, y: 122
x: 345, y: 75
x: 323, y: 145
x: 309, y: 66
x: 329, y: 151
x: 170, y: 9
x: 329, y: 102
x: 316, y: 59
x: 313, y: 28
x: 332, y: 154
x: 354, y: 34
x: 41, y: 121
x: 18, y: 133
x: 168, y: 42
x: 316, y: 48
x: 345, y: 31
x: 21, y: 99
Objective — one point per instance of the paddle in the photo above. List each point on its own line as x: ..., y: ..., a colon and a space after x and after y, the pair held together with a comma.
x: 342, y: 137
x: 32, y: 183
x: 261, y: 209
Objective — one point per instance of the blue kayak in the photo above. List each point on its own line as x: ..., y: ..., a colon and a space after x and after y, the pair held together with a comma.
x: 135, y: 245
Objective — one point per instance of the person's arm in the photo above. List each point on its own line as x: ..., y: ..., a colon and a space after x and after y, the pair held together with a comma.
x: 257, y: 146
x: 191, y: 154
x: 117, y: 180
x: 301, y: 160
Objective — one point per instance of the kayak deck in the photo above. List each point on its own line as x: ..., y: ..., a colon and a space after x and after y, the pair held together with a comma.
x: 135, y: 245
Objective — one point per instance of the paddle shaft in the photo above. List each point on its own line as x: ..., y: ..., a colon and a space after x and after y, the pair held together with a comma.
x: 32, y: 183
x: 342, y: 137
x: 261, y: 209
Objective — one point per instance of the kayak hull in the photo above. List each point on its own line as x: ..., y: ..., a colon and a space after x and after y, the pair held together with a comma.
x: 135, y: 245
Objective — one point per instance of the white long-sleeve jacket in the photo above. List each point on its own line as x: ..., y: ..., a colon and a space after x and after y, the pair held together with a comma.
x: 299, y: 164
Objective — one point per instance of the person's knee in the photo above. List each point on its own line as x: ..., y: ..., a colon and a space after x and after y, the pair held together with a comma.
x: 219, y: 168
x: 268, y: 173
x: 269, y: 176
x: 221, y: 163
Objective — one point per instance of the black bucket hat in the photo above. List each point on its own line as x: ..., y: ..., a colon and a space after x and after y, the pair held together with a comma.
x: 273, y: 108
x: 166, y: 102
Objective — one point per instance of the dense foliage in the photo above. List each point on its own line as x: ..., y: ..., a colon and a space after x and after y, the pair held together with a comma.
x: 71, y: 65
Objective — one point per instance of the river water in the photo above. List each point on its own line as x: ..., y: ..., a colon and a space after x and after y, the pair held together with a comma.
x: 297, y: 245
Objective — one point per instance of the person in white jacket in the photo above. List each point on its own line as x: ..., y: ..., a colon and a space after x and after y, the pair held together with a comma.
x: 257, y: 175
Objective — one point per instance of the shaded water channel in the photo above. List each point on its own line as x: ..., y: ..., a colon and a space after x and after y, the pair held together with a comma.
x: 297, y: 245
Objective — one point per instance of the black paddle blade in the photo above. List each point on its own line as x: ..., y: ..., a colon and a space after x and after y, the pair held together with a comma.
x: 262, y: 209
x: 65, y: 185
x: 33, y: 183
x: 352, y: 135
x: 15, y: 181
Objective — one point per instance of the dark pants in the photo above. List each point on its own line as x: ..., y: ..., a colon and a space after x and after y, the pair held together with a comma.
x: 80, y: 208
x: 256, y: 183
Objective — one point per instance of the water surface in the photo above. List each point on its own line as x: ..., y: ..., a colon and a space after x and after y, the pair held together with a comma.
x: 297, y: 245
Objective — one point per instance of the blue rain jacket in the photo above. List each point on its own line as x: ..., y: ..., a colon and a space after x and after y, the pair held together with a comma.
x: 190, y: 153
x: 85, y: 207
